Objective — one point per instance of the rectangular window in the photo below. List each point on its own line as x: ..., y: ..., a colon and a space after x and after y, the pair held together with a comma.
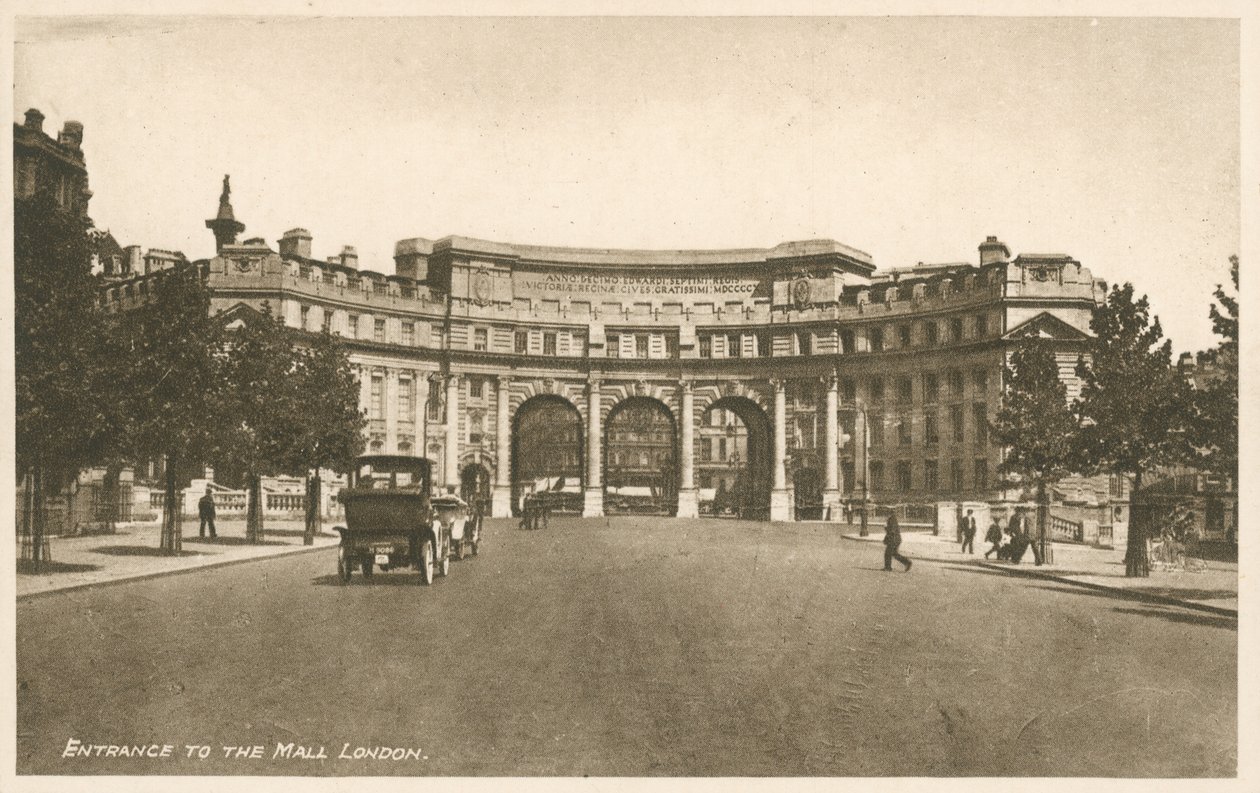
x: 765, y: 343
x: 549, y: 344
x: 613, y: 345
x: 848, y: 391
x: 956, y: 329
x: 955, y: 475
x: 931, y: 433
x: 520, y: 342
x: 409, y: 334
x: 804, y: 342
x: 876, y: 337
x: 706, y: 346
x: 579, y: 344
x: 706, y: 451
x: 905, y: 391
x: 956, y: 422
x: 327, y: 323
x: 733, y: 345
x: 378, y: 389
x: 982, y: 326
x: 305, y: 317
x: 981, y: 480
x: 903, y: 476
x: 434, y: 407
x: 903, y: 431
x: 955, y: 383
x: 980, y: 416
x: 846, y: 341
x: 903, y: 336
x: 877, y: 389
x: 476, y: 428
x: 475, y: 387
x: 352, y: 326
x: 980, y: 379
x: 481, y: 339
x: 877, y: 429
x: 640, y: 346
x: 931, y: 333
x: 931, y: 478
x: 404, y: 400
x: 378, y: 330
x: 877, y: 475
x: 671, y: 346
x: 931, y: 388
x: 435, y: 336
x: 721, y: 450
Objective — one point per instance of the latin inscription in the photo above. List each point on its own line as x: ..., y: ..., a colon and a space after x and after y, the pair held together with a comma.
x: 642, y: 285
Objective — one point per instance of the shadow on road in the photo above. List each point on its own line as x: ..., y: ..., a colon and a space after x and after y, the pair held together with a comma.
x: 411, y: 578
x: 1186, y: 617
x: 230, y: 541
x: 141, y: 550
x: 27, y: 567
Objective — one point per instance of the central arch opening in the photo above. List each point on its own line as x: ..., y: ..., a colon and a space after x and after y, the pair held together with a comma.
x: 641, y: 459
x: 547, y: 449
x: 733, y: 458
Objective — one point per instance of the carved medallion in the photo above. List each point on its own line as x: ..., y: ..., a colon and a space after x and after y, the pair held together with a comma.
x: 244, y: 265
x: 481, y: 288
x: 801, y: 292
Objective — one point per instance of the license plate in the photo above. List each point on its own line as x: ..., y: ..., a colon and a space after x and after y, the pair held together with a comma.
x: 382, y: 558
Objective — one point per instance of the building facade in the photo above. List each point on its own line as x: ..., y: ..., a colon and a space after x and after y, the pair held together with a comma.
x: 773, y: 382
x: 42, y: 162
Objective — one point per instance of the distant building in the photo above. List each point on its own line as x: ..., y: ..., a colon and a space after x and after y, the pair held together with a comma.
x: 55, y: 164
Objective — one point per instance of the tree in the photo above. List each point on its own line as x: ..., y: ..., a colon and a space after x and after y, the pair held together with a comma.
x: 1134, y: 406
x: 1217, y: 399
x: 60, y: 422
x: 1035, y: 425
x: 333, y: 423
x: 171, y: 384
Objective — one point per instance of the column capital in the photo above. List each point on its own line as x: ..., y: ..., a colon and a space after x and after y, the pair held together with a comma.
x: 779, y: 384
x: 686, y: 386
x: 831, y: 380
x: 504, y: 380
x: 593, y: 384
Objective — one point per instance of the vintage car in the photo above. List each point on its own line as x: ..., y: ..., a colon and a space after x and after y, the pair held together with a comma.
x: 390, y: 522
x: 459, y: 521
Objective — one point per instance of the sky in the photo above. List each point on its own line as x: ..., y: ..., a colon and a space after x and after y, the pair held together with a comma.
x: 1113, y: 140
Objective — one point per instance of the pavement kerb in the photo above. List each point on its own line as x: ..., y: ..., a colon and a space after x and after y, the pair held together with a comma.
x: 163, y: 573
x: 1162, y: 600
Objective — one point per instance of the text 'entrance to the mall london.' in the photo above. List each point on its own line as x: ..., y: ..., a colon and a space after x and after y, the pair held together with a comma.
x: 732, y: 461
x: 547, y: 454
x: 641, y: 459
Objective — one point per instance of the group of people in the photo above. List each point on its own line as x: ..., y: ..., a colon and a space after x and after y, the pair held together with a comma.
x: 1009, y: 542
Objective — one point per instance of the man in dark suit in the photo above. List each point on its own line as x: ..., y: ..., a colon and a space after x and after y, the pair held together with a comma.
x: 969, y: 533
x: 892, y: 542
x: 205, y: 509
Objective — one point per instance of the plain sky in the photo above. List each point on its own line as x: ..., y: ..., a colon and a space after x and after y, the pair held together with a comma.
x: 1113, y: 140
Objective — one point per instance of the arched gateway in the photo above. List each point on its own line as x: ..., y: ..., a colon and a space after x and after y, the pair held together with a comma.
x: 641, y: 458
x: 547, y: 449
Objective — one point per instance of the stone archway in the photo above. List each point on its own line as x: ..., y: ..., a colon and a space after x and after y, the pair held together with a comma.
x: 547, y: 450
x: 640, y: 458
x: 734, y: 455
x: 474, y: 486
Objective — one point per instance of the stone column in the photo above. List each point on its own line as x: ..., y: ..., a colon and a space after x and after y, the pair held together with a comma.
x: 688, y: 496
x: 780, y: 500
x: 593, y: 497
x: 390, y: 398
x: 501, y: 506
x: 421, y: 405
x: 450, y: 476
x: 831, y: 443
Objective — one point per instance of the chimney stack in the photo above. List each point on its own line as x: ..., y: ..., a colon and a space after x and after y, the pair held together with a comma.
x: 71, y: 135
x: 993, y: 251
x: 35, y: 120
x: 296, y: 242
x: 134, y: 265
x: 350, y: 257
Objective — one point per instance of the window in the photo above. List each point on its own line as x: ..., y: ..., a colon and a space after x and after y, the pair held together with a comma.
x: 765, y: 343
x: 804, y: 341
x: 931, y: 388
x: 903, y: 431
x: 955, y: 383
x: 435, y: 336
x: 409, y: 334
x: 706, y: 451
x: 876, y: 337
x: 877, y: 389
x: 931, y: 333
x: 578, y: 343
x: 435, y: 400
x: 549, y: 344
x: 980, y: 379
x: 378, y: 387
x: 733, y: 345
x: 352, y: 326
x: 905, y: 391
x: 956, y: 422
x: 876, y: 429
x: 378, y: 330
x: 641, y: 346
x: 848, y: 390
x: 931, y: 478
x: 671, y: 346
x: 846, y: 341
x: 481, y: 339
x: 404, y: 400
x: 706, y: 346
x: 982, y: 326
x: 476, y: 427
x: 903, y: 336
x: 956, y: 329
x: 877, y: 475
x: 955, y: 475
x: 326, y: 326
x: 613, y: 342
x: 520, y: 342
x: 903, y: 476
x: 476, y: 387
x: 979, y: 414
x: 981, y: 474
x: 306, y: 317
x: 722, y: 450
x: 931, y: 433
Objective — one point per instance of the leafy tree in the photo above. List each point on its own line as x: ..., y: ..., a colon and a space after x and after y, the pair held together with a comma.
x: 1218, y: 398
x: 1035, y: 425
x: 171, y: 384
x: 60, y: 423
x: 1134, y: 404
x: 333, y: 424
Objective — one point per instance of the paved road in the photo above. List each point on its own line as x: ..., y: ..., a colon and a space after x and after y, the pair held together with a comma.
x: 635, y: 648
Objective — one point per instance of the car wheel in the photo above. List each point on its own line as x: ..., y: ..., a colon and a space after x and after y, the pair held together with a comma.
x: 343, y: 566
x: 426, y: 562
x: 445, y: 567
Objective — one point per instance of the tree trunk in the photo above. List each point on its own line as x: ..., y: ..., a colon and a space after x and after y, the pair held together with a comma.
x: 312, y: 509
x: 111, y: 493
x: 1137, y: 563
x: 172, y: 542
x: 1043, y: 517
x: 37, y: 515
x: 254, y: 510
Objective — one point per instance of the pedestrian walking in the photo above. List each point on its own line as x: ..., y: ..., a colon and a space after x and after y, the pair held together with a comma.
x: 892, y: 542
x: 994, y: 537
x: 205, y: 510
x: 969, y: 533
